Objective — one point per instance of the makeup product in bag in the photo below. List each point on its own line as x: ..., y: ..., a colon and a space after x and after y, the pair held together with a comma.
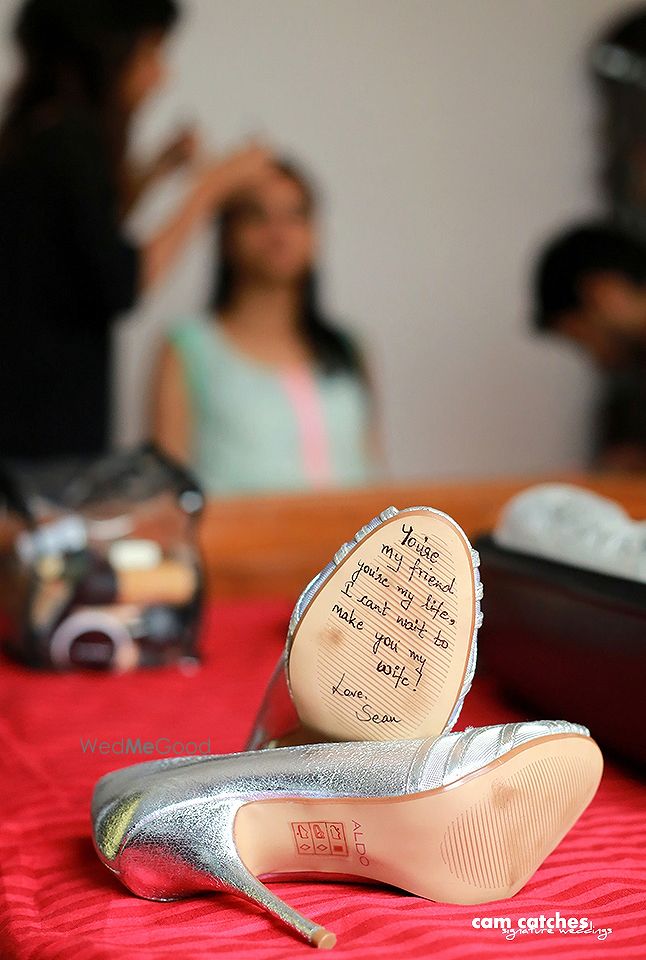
x: 169, y: 581
x: 119, y: 637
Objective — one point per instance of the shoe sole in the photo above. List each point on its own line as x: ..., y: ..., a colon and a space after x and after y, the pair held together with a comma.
x: 381, y: 651
x: 479, y: 839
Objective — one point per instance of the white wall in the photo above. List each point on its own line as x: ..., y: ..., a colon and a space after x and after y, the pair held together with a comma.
x: 449, y: 136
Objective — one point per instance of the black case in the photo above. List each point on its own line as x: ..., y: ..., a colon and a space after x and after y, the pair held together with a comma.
x: 569, y: 642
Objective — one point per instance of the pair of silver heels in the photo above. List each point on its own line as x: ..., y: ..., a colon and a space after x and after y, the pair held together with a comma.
x: 352, y: 770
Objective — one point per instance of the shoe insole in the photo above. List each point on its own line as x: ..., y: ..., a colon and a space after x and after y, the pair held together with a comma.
x: 381, y: 650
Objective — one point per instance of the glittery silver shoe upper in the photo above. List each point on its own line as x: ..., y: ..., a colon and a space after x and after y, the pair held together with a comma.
x: 455, y: 755
x: 167, y: 798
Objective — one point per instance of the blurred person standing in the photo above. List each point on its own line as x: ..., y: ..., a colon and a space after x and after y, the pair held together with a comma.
x: 66, y: 268
x: 264, y: 393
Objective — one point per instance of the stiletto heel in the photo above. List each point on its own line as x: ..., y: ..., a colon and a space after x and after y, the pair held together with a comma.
x: 237, y: 879
x: 158, y: 866
x: 221, y: 861
x: 382, y: 643
x: 462, y: 818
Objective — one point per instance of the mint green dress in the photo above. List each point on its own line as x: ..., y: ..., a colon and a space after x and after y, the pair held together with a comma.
x: 253, y: 430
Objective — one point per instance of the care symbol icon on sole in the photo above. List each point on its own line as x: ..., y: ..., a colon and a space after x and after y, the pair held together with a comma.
x: 319, y: 838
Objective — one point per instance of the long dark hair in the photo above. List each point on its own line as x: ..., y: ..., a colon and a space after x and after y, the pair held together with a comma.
x: 73, y: 52
x: 332, y: 350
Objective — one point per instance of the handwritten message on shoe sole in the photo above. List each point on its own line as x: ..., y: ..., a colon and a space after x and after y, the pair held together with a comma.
x: 382, y: 649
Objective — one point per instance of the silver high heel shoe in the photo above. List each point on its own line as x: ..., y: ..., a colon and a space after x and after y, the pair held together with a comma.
x: 382, y: 643
x: 463, y: 818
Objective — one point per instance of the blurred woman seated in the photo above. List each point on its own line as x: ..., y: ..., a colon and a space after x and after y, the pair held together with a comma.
x: 264, y: 393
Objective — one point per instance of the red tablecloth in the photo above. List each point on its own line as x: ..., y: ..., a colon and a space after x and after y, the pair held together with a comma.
x: 58, y: 902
